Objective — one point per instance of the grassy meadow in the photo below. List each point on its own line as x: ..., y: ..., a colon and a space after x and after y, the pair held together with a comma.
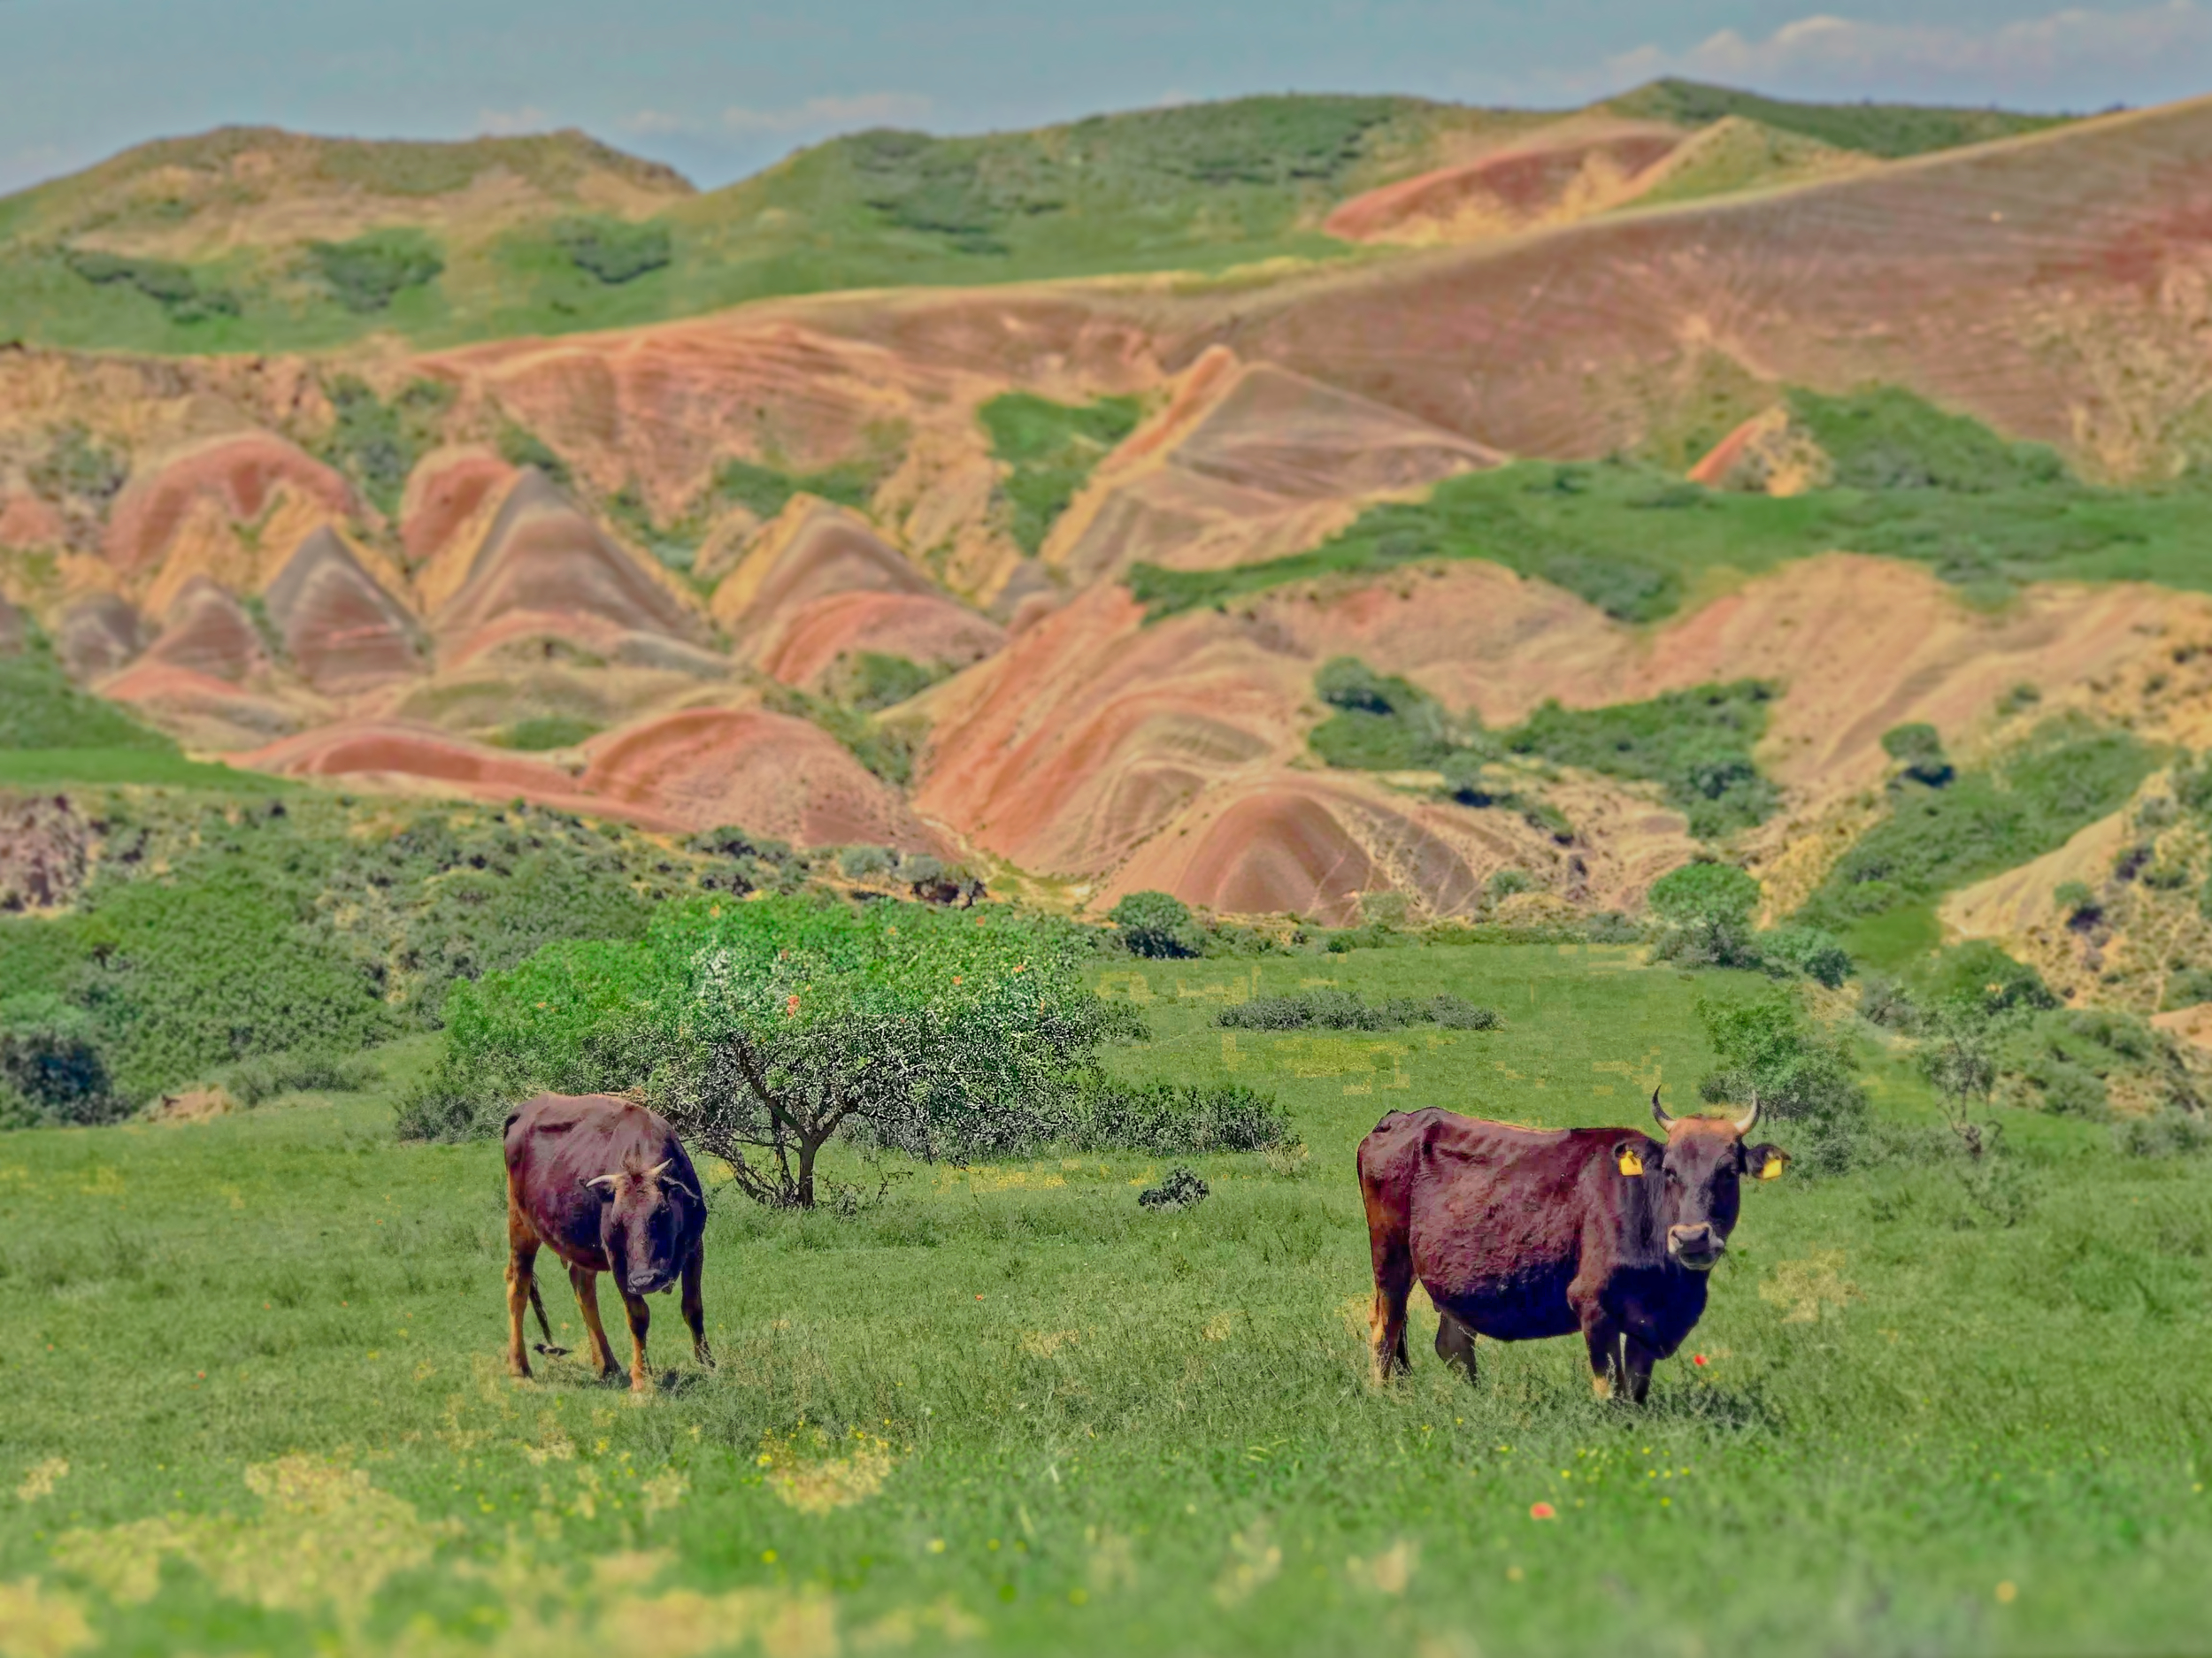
x: 255, y: 1402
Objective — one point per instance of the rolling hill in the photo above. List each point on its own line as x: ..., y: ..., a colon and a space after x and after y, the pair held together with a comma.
x: 1054, y: 578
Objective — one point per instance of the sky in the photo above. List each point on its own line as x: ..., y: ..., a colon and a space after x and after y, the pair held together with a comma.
x: 721, y: 88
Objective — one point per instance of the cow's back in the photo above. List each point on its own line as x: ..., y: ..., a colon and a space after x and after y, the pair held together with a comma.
x: 1494, y: 1213
x: 557, y: 1142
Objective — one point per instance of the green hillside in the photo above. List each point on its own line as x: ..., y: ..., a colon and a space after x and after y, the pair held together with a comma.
x: 197, y: 245
x: 1891, y: 131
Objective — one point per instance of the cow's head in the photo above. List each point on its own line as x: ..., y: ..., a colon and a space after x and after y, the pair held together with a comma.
x: 1696, y: 1179
x: 641, y: 1218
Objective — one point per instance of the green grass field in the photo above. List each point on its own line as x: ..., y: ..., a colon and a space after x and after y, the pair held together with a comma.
x: 1007, y: 1411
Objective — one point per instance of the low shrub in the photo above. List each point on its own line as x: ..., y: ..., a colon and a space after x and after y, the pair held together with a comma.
x: 1342, y: 1010
x: 1705, y: 912
x: 368, y: 273
x: 1696, y: 745
x: 615, y: 250
x: 2168, y: 1134
x: 1814, y: 952
x: 1049, y: 450
x: 253, y: 1081
x: 1168, y: 1119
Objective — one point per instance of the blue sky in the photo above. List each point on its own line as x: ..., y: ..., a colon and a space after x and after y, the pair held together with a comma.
x: 720, y: 89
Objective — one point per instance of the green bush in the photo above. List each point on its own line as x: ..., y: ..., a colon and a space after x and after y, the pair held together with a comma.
x: 1818, y: 954
x: 368, y: 273
x: 1155, y: 925
x: 1706, y: 911
x: 1342, y: 1010
x: 519, y: 446
x: 76, y: 465
x: 252, y: 1082
x: 378, y: 443
x: 2064, y: 1062
x: 1051, y: 449
x: 1919, y: 750
x: 1168, y: 1119
x: 54, y: 1064
x: 1980, y: 976
x: 1381, y: 724
x: 1800, y: 1073
x: 172, y: 286
x: 1885, y: 438
x: 1506, y: 883
x: 614, y: 251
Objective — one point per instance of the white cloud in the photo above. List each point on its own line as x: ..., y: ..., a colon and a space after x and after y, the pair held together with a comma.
x: 865, y: 108
x: 507, y: 123
x: 1840, y: 56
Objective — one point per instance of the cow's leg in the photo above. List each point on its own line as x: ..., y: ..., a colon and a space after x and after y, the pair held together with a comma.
x: 1604, y: 1337
x: 696, y: 1308
x: 522, y: 1260
x: 641, y: 1319
x: 586, y: 1285
x: 1454, y: 1343
x: 1386, y: 1321
x: 1636, y: 1370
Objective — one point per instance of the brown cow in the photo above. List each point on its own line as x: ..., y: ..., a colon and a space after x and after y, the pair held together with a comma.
x: 1519, y: 1234
x: 606, y: 1184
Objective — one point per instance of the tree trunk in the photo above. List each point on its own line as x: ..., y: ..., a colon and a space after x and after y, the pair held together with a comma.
x: 807, y: 1149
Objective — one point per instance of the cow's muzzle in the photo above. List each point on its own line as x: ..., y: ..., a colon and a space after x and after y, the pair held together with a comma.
x: 650, y: 1283
x: 1697, y: 1247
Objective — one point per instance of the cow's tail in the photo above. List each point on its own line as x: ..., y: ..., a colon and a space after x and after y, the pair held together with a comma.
x: 547, y: 1347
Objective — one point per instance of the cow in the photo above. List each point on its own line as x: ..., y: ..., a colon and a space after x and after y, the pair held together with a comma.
x: 1519, y: 1234
x: 606, y: 1185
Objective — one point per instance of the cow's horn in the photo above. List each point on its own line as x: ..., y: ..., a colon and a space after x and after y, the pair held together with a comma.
x: 1660, y: 1112
x: 1750, y: 1119
x: 659, y: 1168
x: 606, y: 1181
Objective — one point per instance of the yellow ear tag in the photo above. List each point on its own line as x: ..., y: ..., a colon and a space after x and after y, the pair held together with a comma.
x: 1631, y: 1163
x: 1771, y: 1168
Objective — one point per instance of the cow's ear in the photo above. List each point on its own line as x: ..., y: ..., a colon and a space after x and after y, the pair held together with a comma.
x: 1632, y: 1156
x: 1765, y: 1163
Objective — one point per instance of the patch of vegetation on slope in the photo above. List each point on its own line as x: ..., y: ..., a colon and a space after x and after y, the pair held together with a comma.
x: 1052, y: 449
x: 1946, y: 828
x: 1695, y: 744
x: 42, y: 709
x: 1888, y: 130
x: 377, y: 444
x: 214, y: 931
x: 1911, y: 482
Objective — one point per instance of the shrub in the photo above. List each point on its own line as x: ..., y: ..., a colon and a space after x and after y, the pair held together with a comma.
x: 870, y: 680
x: 1506, y: 883
x: 53, y: 1061
x: 1918, y: 749
x: 2067, y: 1061
x: 1980, y: 977
x: 1884, y: 1001
x: 1800, y: 1073
x: 2167, y: 1133
x: 1382, y: 723
x: 368, y: 273
x: 76, y: 465
x: 614, y: 251
x: 1155, y: 925
x: 1818, y: 954
x: 2188, y: 988
x: 856, y: 863
x: 520, y: 447
x: 1342, y: 1010
x: 1165, y: 1118
x: 252, y: 1081
x: 1179, y: 1190
x: 542, y: 732
x: 172, y: 286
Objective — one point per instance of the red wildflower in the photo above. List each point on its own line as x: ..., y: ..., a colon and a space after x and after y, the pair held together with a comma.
x: 1697, y: 1358
x: 791, y: 1012
x: 1542, y: 1511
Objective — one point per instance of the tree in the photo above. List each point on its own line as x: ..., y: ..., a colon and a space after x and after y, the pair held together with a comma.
x: 1155, y: 923
x: 937, y: 1033
x: 1707, y: 908
x: 1798, y: 1072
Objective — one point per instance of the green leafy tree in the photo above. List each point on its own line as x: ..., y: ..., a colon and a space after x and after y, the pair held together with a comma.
x: 1705, y: 910
x: 1919, y: 750
x: 1155, y: 925
x: 1799, y: 1072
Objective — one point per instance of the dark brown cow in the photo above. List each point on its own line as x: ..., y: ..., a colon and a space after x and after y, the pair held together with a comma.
x: 1519, y: 1234
x: 607, y: 1186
